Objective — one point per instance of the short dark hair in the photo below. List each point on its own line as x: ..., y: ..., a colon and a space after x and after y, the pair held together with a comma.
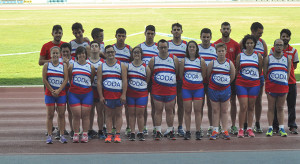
x: 225, y: 24
x: 77, y: 26
x: 205, y: 30
x: 79, y: 50
x: 177, y: 24
x: 246, y: 37
x: 287, y: 31
x: 150, y: 28
x: 56, y: 28
x: 137, y: 47
x: 107, y: 47
x: 197, y: 49
x: 95, y: 31
x: 120, y: 31
x: 66, y: 45
x: 219, y: 45
x: 95, y: 42
x: 162, y: 41
x: 255, y: 26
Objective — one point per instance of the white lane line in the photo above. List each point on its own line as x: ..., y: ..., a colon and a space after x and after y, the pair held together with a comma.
x: 22, y: 53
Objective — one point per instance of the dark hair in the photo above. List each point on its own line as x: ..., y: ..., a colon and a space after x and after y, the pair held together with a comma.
x: 197, y: 49
x: 80, y: 50
x: 177, y: 24
x: 255, y: 26
x: 107, y: 47
x: 205, y: 30
x: 55, y: 47
x: 66, y: 45
x: 56, y: 28
x: 137, y: 47
x: 95, y: 42
x: 220, y: 45
x: 120, y: 31
x: 150, y: 28
x: 246, y: 37
x: 225, y: 24
x: 162, y: 41
x: 77, y: 26
x: 95, y: 31
x: 287, y: 31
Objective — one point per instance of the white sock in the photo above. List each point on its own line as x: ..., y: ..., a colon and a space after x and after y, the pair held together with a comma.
x: 281, y: 126
x: 216, y: 129
x: 158, y: 128
x: 169, y: 129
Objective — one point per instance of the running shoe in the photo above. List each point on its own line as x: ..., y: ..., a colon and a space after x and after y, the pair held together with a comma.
x: 220, y: 129
x: 57, y: 136
x: 92, y: 134
x: 293, y: 130
x: 71, y: 134
x: 201, y: 133
x: 127, y: 132
x: 245, y: 126
x: 66, y: 133
x: 166, y: 134
x: 250, y: 133
x: 108, y: 139
x: 145, y: 131
x: 63, y: 139
x: 269, y: 132
x: 132, y: 137
x: 154, y: 132
x: 141, y: 136
x: 226, y: 135
x: 209, y: 131
x: 104, y: 130
x: 180, y: 131
x: 241, y: 133
x: 214, y: 135
x: 172, y: 135
x: 117, y: 138
x: 282, y: 133
x: 158, y: 135
x: 101, y: 134
x: 49, y: 140
x: 76, y: 138
x: 234, y: 130
x: 113, y: 131
x: 187, y: 135
x: 257, y: 128
x: 85, y: 138
x: 198, y: 135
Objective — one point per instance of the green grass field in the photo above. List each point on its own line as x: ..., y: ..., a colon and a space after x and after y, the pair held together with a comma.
x: 28, y: 30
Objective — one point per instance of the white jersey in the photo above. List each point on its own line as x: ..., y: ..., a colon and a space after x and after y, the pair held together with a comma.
x: 75, y: 45
x: 96, y: 65
x: 177, y: 50
x: 208, y: 54
x: 123, y: 55
x: 149, y: 52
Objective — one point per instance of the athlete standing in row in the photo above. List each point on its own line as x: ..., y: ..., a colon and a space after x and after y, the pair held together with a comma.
x: 55, y: 78
x: 81, y: 75
x: 150, y: 50
x: 233, y: 49
x: 192, y: 71
x: 208, y: 53
x: 277, y: 67
x: 177, y: 47
x: 79, y: 40
x: 164, y: 69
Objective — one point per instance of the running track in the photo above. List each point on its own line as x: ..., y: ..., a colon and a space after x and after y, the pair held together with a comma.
x: 22, y: 128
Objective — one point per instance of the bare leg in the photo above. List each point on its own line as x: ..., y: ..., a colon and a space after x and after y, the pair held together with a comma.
x: 61, y: 115
x: 76, y: 111
x: 49, y: 121
x: 224, y: 114
x: 169, y: 107
x: 198, y: 110
x: 140, y: 118
x: 187, y: 114
x: 85, y: 116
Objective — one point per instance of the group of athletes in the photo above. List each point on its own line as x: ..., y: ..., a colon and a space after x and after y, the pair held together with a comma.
x: 82, y: 76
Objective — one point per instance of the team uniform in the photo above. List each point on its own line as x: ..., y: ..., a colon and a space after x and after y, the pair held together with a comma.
x: 192, y: 83
x: 123, y: 55
x: 259, y: 47
x: 80, y: 92
x: 75, y: 45
x: 137, y: 93
x: 94, y: 83
x: 45, y: 51
x: 292, y: 94
x: 149, y: 52
x: 55, y: 77
x: 248, y: 82
x: 219, y: 89
x: 164, y: 79
x: 71, y: 62
x: 102, y: 47
x: 112, y: 84
x: 277, y: 82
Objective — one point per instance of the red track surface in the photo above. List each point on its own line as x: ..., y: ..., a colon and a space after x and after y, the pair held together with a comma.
x: 22, y: 128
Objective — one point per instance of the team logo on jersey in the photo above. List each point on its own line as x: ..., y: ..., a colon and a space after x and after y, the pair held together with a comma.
x: 165, y: 78
x: 114, y: 84
x: 55, y: 81
x: 193, y: 77
x: 221, y: 79
x: 250, y: 72
x: 138, y: 83
x: 231, y: 49
x: 279, y: 77
x: 82, y: 80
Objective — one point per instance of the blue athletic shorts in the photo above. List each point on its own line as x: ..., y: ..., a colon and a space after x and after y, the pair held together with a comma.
x: 250, y: 92
x: 51, y: 100
x: 219, y: 96
x: 188, y: 95
x: 140, y: 102
x: 85, y: 100
x: 276, y: 94
x: 113, y: 103
x: 164, y: 98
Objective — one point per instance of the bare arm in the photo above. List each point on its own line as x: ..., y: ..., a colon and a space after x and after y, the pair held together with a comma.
x: 124, y: 83
x: 176, y: 62
x: 45, y: 81
x: 88, y: 51
x: 203, y: 68
x: 62, y: 86
x: 232, y: 72
x: 260, y: 63
x: 99, y: 84
x: 289, y: 68
x: 237, y: 64
x: 151, y: 65
x: 209, y: 69
x: 265, y: 49
x: 148, y: 73
x: 93, y: 73
x: 265, y: 66
x: 70, y: 73
x: 181, y: 69
x: 43, y: 60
